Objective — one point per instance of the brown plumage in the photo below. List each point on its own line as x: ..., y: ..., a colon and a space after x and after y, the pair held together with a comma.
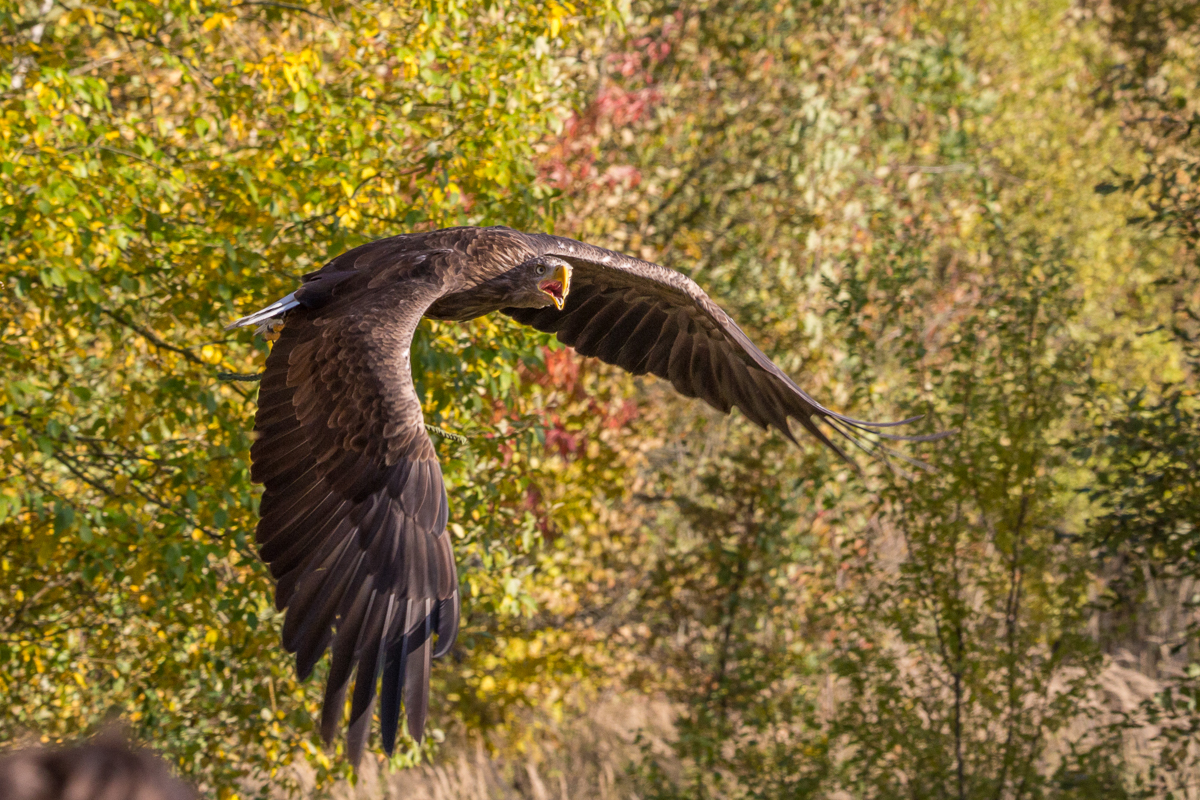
x: 106, y: 768
x: 353, y: 516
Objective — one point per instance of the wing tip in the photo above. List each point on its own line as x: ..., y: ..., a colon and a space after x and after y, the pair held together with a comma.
x: 357, y: 736
x: 331, y: 712
x: 880, y: 452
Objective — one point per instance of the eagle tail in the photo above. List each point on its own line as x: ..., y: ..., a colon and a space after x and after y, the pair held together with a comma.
x: 273, y: 311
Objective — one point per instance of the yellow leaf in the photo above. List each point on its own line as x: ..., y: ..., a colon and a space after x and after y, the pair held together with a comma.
x: 213, y: 22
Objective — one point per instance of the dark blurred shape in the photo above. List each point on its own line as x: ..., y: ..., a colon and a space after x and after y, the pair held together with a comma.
x: 1146, y: 28
x: 106, y: 768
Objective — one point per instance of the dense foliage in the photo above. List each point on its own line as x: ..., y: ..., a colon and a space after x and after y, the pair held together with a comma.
x: 983, y: 213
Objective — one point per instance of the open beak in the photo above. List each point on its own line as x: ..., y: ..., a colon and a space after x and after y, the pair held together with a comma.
x: 557, y: 286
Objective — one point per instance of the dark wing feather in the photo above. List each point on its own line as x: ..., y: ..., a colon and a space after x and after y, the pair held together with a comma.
x: 353, y: 516
x: 644, y: 317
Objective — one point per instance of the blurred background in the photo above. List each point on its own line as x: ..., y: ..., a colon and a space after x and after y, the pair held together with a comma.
x: 985, y: 212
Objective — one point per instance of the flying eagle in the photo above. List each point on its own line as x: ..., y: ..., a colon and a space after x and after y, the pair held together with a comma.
x: 353, y: 516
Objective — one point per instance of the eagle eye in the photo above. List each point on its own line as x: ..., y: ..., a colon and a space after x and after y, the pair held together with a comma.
x: 541, y: 269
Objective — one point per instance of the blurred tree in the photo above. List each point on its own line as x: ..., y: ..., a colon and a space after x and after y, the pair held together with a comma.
x: 737, y: 564
x: 967, y: 666
x: 1146, y: 441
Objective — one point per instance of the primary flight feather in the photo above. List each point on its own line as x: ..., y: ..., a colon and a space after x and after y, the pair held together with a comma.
x: 354, y: 511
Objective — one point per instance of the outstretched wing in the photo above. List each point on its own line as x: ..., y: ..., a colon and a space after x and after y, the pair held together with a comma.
x: 353, y: 516
x: 646, y: 318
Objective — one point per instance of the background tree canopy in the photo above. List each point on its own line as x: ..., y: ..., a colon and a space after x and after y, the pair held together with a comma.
x: 982, y: 212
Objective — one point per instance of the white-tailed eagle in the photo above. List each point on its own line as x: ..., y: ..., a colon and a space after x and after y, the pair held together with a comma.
x: 353, y: 516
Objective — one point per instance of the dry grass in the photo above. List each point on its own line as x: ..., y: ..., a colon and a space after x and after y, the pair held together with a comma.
x: 586, y: 757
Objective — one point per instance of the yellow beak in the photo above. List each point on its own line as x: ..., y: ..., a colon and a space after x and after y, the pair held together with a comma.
x: 561, y: 277
x: 564, y: 274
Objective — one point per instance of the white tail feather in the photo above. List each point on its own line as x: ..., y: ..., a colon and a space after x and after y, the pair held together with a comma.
x: 273, y: 311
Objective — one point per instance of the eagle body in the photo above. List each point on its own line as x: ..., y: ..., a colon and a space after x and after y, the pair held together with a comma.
x: 354, y: 510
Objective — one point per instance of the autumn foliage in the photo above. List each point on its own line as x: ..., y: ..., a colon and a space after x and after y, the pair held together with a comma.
x: 982, y: 213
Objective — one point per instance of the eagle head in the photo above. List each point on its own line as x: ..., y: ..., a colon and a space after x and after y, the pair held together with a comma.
x: 552, y: 276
